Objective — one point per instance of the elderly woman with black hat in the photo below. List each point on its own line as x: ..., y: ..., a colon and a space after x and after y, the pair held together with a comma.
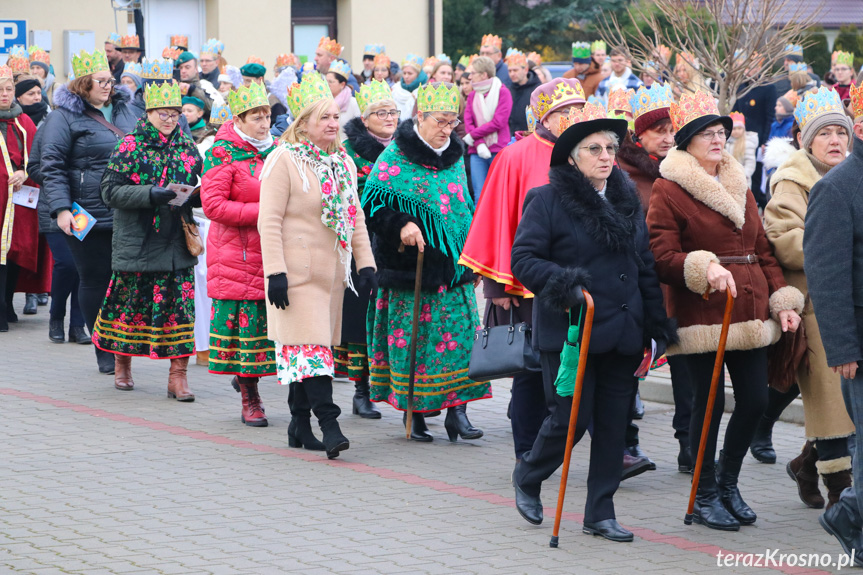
x: 707, y: 237
x: 585, y: 230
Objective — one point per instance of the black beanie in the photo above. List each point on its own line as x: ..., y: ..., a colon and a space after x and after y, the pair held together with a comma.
x: 25, y: 86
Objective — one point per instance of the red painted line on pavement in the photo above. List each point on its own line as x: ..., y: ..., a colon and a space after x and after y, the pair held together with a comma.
x: 409, y: 478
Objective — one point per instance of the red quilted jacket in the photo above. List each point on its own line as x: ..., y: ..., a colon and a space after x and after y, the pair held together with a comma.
x: 231, y: 196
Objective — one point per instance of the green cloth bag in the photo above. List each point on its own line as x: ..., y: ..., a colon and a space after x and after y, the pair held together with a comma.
x: 565, y: 382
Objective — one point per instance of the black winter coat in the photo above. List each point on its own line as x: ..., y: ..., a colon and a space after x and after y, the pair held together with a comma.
x: 570, y: 236
x: 74, y: 150
x: 759, y: 109
x: 520, y: 101
x: 398, y: 270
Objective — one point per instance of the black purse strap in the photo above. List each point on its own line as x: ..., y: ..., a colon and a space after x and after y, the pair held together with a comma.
x: 99, y: 117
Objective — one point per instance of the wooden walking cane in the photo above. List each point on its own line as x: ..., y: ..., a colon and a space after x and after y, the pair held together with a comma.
x: 711, y: 399
x: 573, y: 413
x: 414, y: 328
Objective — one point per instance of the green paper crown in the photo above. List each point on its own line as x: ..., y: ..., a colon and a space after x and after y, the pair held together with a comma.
x: 244, y: 99
x: 438, y: 98
x: 845, y: 58
x: 581, y: 50
x: 84, y: 64
x: 598, y: 45
x: 312, y: 89
x: 374, y: 91
x: 164, y: 95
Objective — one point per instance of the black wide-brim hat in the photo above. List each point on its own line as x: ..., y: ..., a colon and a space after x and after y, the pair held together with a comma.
x: 684, y: 134
x: 577, y: 132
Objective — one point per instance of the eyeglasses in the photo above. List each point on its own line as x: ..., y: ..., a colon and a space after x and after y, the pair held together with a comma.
x: 384, y: 114
x: 443, y: 123
x: 109, y: 83
x: 165, y: 117
x: 708, y: 136
x: 596, y: 149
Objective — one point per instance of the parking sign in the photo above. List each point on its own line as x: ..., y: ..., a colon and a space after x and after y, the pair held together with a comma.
x: 12, y: 32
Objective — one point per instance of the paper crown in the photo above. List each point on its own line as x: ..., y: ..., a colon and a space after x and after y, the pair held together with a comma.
x: 443, y: 58
x: 798, y: 67
x: 645, y: 100
x: 794, y: 50
x: 313, y: 88
x: 255, y: 60
x: 134, y: 68
x: 213, y: 47
x: 5, y: 73
x: 163, y: 95
x: 581, y: 50
x: 341, y: 68
x: 691, y: 106
x: 84, y: 64
x: 856, y: 94
x: 330, y: 45
x: 535, y: 58
x: 220, y: 114
x: 792, y: 96
x: 492, y: 40
x: 843, y: 58
x: 815, y: 104
x: 382, y: 60
x: 171, y: 53
x: 590, y: 111
x: 18, y: 51
x: 413, y: 60
x: 464, y: 61
x: 284, y: 60
x: 374, y: 49
x: 664, y: 52
x: 243, y: 99
x: 179, y: 41
x: 531, y: 119
x: 737, y: 118
x: 113, y: 38
x: 438, y: 98
x: 19, y: 65
x: 39, y: 55
x: 430, y: 63
x: 130, y: 42
x: 515, y: 58
x: 688, y: 59
x: 620, y: 100
x: 597, y: 46
x: 157, y: 69
x: 309, y: 66
x: 374, y: 91
x: 563, y: 94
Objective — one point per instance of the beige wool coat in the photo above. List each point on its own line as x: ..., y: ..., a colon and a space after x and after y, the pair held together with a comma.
x: 294, y: 241
x: 824, y: 407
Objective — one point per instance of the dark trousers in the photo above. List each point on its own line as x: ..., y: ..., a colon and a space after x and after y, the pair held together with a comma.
x: 681, y: 388
x: 609, y: 385
x: 64, y: 280
x: 631, y: 429
x: 777, y: 401
x: 748, y: 370
x: 8, y: 281
x: 528, y: 410
x: 93, y: 261
x: 313, y: 394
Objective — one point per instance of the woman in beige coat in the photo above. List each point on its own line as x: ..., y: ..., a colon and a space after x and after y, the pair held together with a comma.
x: 311, y: 224
x: 823, y: 141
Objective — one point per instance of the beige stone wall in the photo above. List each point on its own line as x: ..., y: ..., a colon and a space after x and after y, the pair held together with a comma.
x: 250, y: 27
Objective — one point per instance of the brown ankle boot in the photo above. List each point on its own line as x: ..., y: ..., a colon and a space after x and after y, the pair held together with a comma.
x: 178, y: 386
x: 253, y: 412
x: 836, y: 474
x: 123, y: 373
x: 802, y: 470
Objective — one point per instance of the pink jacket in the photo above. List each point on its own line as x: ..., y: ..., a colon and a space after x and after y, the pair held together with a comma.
x: 499, y: 123
x: 231, y: 195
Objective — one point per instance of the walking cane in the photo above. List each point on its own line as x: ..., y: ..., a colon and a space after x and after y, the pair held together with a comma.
x: 711, y: 399
x: 573, y: 414
x: 414, y: 328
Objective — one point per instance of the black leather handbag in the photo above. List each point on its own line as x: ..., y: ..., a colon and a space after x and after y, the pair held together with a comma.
x: 502, y: 350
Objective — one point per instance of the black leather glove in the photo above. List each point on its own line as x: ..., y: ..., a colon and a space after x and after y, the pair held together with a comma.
x: 368, y: 283
x: 277, y: 290
x: 160, y: 196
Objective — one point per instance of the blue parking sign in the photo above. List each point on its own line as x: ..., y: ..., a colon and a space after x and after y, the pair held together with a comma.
x: 12, y: 32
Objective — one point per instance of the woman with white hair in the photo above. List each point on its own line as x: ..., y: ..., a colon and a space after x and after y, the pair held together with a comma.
x: 405, y: 91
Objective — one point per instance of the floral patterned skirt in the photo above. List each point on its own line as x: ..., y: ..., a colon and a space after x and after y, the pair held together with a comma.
x: 238, y: 338
x: 299, y: 362
x: 150, y: 314
x: 447, y: 322
x: 352, y: 360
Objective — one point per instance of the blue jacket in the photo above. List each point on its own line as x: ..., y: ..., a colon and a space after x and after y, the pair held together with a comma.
x: 781, y: 129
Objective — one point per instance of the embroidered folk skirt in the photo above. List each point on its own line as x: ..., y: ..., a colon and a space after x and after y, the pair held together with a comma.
x: 351, y: 360
x: 238, y: 339
x: 299, y: 362
x: 149, y: 314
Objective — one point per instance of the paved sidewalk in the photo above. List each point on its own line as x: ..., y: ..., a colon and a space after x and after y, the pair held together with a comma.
x: 94, y: 480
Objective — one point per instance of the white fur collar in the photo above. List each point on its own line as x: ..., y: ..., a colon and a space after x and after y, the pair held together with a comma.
x: 725, y: 195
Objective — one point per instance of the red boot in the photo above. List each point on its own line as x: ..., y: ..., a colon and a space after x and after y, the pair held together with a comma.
x: 253, y: 412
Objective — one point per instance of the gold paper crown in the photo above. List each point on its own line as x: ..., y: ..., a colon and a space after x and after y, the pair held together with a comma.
x: 84, y: 64
x: 171, y: 53
x: 564, y: 93
x: 535, y: 58
x: 619, y: 100
x: 687, y: 58
x: 313, y: 88
x: 180, y: 41
x: 664, y: 52
x: 492, y: 40
x: 130, y: 42
x: 243, y: 99
x: 382, y: 60
x: 857, y: 100
x: 164, y: 95
x: 5, y: 73
x: 691, y: 106
x: 590, y: 111
x: 39, y: 55
x: 737, y: 118
x: 330, y: 45
x: 430, y: 62
x: 515, y: 58
x: 844, y: 58
x: 374, y: 91
x: 438, y: 98
x: 255, y: 60
x: 19, y: 65
x: 284, y: 60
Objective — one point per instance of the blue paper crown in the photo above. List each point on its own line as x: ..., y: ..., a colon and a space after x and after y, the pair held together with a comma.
x: 824, y: 101
x: 646, y: 100
x: 134, y: 68
x: 220, y: 113
x: 157, y: 69
x: 374, y: 49
x: 113, y: 38
x: 444, y: 58
x: 798, y: 67
x: 213, y: 46
x: 512, y: 52
x: 794, y: 50
x: 413, y: 60
x: 19, y: 51
x: 341, y: 68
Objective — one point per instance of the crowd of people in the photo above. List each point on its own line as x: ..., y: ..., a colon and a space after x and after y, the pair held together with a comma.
x: 274, y: 226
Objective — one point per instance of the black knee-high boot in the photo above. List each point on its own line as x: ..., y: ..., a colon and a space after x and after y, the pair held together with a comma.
x: 300, y: 429
x: 319, y: 390
x: 762, y: 444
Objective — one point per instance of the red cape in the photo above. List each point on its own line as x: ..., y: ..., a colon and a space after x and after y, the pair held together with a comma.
x: 515, y: 170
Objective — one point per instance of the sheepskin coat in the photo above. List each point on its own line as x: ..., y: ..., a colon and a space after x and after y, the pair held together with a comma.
x: 694, y: 219
x: 826, y: 416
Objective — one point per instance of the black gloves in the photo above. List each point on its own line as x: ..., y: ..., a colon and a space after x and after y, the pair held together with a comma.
x: 160, y: 196
x: 575, y: 297
x: 368, y: 283
x: 277, y: 290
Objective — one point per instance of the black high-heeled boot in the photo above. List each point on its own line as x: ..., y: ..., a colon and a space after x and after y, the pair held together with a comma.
x: 300, y: 429
x: 319, y: 390
x: 419, y: 429
x: 362, y: 403
x: 457, y: 424
x: 727, y: 472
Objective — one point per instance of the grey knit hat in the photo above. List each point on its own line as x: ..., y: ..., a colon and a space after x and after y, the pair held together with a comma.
x: 810, y: 130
